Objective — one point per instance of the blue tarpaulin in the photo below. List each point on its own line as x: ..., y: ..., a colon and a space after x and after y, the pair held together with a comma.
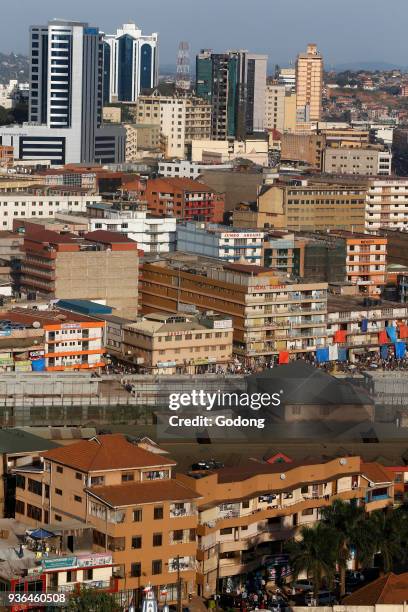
x: 342, y: 354
x: 384, y: 351
x: 400, y: 350
x: 41, y: 534
x: 392, y: 333
x: 322, y: 354
x: 364, y: 325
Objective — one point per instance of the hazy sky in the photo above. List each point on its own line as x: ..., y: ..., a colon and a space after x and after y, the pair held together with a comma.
x: 345, y: 30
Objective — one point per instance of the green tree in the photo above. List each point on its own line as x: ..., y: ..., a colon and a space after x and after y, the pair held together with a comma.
x: 314, y: 554
x: 88, y: 600
x: 349, y: 522
x: 389, y: 536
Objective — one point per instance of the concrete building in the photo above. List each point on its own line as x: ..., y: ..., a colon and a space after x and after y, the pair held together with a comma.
x: 152, y: 234
x: 307, y: 149
x: 309, y: 85
x: 306, y: 206
x: 363, y: 161
x: 126, y: 496
x: 252, y: 149
x: 177, y: 344
x: 181, y: 119
x: 65, y: 109
x: 290, y: 112
x: 320, y: 257
x: 360, y: 326
x: 220, y: 242
x: 41, y: 203
x: 387, y: 204
x: 241, y: 184
x: 234, y: 83
x: 366, y: 261
x: 275, y: 107
x: 6, y: 156
x: 50, y: 340
x: 182, y: 168
x: 131, y: 63
x: 112, y: 114
x: 279, y: 251
x: 184, y: 199
x: 270, y: 315
x: 58, y: 266
x: 287, y: 77
x: 268, y: 503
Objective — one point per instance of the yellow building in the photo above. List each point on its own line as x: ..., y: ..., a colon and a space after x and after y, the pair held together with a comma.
x: 309, y: 85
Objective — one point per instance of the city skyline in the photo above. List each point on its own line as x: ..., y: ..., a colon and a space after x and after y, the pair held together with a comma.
x: 235, y: 29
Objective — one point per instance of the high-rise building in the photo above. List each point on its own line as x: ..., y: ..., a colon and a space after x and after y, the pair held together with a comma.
x: 65, y: 106
x: 131, y: 63
x: 309, y: 84
x: 234, y: 83
x: 275, y: 107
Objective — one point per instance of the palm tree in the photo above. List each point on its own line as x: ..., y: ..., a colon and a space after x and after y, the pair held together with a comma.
x: 389, y: 532
x: 314, y: 554
x: 348, y: 521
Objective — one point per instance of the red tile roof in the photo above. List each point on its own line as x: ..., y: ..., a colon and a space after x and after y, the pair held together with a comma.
x: 388, y: 589
x: 106, y: 452
x: 132, y: 493
x: 375, y: 472
x: 107, y: 237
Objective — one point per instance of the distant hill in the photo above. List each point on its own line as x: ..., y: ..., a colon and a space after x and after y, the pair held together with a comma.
x: 14, y: 66
x: 369, y: 66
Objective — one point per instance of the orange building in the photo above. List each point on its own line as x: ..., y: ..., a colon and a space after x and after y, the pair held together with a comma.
x: 366, y: 261
x: 6, y: 156
x: 184, y: 199
x: 125, y: 494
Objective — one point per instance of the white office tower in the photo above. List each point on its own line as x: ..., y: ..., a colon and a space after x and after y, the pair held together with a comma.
x: 131, y: 63
x: 65, y: 109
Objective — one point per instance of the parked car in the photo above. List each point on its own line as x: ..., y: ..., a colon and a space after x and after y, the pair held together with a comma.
x: 303, y: 585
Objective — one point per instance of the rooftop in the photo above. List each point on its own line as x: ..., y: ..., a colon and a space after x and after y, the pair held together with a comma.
x: 389, y: 589
x: 27, y: 317
x: 133, y: 493
x: 21, y: 441
x: 348, y: 303
x: 106, y: 452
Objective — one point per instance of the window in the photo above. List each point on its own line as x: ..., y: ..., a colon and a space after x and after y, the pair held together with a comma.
x: 137, y: 515
x: 158, y: 512
x: 58, y: 517
x: 178, y: 535
x: 20, y: 481
x: 137, y: 541
x: 20, y: 507
x: 34, y: 512
x: 226, y: 531
x: 59, y: 469
x: 307, y: 512
x: 128, y: 476
x: 245, y: 504
x: 398, y: 477
x: 78, y: 498
x: 71, y: 576
x: 78, y: 475
x: 88, y: 574
x: 304, y: 489
x: 135, y: 570
x: 157, y: 539
x: 192, y: 535
x: 34, y: 486
x: 156, y: 567
x: 58, y: 491
x: 97, y: 480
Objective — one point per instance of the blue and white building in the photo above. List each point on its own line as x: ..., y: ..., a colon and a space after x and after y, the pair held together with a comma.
x: 131, y: 63
x: 220, y: 241
x: 66, y: 96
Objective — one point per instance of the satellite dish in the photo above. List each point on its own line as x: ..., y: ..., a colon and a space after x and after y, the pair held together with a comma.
x: 36, y: 324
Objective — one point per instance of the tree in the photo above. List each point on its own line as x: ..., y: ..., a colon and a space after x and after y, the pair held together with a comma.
x: 348, y: 521
x: 88, y: 600
x: 315, y: 554
x: 389, y: 535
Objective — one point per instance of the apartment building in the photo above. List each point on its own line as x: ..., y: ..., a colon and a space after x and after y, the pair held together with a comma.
x: 95, y: 179
x: 123, y: 491
x: 366, y: 261
x: 279, y: 250
x: 6, y: 156
x: 100, y: 266
x: 358, y: 326
x: 180, y: 343
x: 38, y: 202
x: 387, y: 204
x: 152, y: 234
x: 246, y: 514
x: 309, y: 85
x: 270, y: 315
x: 220, y: 241
x: 307, y: 205
x: 184, y: 199
x: 275, y: 107
x: 361, y: 161
x: 183, y: 168
x: 50, y: 340
x: 181, y: 119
